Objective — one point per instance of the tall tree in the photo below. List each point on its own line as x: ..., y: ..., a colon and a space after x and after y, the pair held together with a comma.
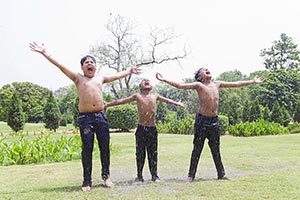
x: 255, y: 111
x: 15, y: 117
x: 296, y: 116
x: 127, y: 49
x: 51, y: 113
x: 283, y: 54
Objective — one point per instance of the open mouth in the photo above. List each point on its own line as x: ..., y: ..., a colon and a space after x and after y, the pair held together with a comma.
x: 90, y: 69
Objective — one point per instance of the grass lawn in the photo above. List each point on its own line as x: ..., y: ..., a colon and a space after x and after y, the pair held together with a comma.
x: 266, y: 167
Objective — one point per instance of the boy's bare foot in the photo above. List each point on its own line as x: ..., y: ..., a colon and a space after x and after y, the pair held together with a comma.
x: 108, y: 182
x: 223, y: 178
x: 86, y: 188
x: 189, y: 179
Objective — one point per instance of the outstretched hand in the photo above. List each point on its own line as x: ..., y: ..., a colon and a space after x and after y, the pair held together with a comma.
x: 160, y: 77
x: 37, y: 48
x: 258, y: 79
x: 135, y: 70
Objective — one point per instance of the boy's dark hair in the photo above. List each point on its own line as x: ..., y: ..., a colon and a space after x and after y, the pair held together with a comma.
x: 86, y: 57
x: 197, y: 73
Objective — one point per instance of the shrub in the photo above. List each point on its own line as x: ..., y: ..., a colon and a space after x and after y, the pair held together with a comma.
x: 260, y: 127
x: 294, y: 128
x: 122, y: 117
x: 224, y: 123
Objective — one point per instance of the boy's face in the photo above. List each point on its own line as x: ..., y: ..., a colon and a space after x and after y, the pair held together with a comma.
x: 145, y: 84
x: 204, y: 74
x: 89, y: 68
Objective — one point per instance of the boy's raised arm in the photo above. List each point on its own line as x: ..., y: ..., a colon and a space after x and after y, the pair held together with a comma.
x: 178, y: 85
x: 255, y: 80
x: 170, y: 101
x: 42, y: 50
x: 132, y: 70
x: 120, y: 101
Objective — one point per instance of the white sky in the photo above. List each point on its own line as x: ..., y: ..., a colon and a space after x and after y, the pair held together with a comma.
x: 223, y: 35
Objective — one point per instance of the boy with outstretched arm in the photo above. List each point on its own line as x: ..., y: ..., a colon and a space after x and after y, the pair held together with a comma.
x: 146, y: 133
x: 207, y: 123
x: 92, y: 118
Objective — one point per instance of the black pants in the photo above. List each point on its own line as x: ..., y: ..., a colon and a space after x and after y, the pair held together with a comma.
x: 206, y: 127
x: 146, y: 140
x: 90, y: 123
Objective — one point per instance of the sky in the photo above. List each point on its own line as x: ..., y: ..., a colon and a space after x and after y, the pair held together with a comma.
x: 222, y: 35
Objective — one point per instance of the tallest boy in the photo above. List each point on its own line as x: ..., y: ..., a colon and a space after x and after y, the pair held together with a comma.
x: 92, y: 118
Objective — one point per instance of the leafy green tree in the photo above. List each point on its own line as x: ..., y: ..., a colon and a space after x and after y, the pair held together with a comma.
x: 32, y: 96
x: 279, y: 114
x: 15, y: 117
x: 283, y: 54
x: 280, y: 85
x: 235, y: 112
x: 246, y: 111
x: 162, y: 112
x: 266, y: 113
x: 5, y: 99
x: 285, y: 118
x: 255, y: 111
x: 51, y: 113
x: 296, y: 116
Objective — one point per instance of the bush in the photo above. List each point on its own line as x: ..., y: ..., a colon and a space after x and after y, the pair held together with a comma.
x: 224, y: 123
x: 294, y: 128
x: 186, y: 126
x: 260, y: 127
x: 122, y: 117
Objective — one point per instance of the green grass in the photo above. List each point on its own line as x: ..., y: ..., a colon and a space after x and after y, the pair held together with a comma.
x: 265, y: 167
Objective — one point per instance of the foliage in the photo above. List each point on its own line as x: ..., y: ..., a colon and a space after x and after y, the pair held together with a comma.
x: 15, y: 116
x: 162, y: 112
x: 224, y: 124
x: 257, y: 128
x: 283, y: 54
x: 266, y: 114
x: 5, y: 95
x: 122, y: 117
x: 255, y: 111
x: 39, y: 149
x: 33, y: 98
x: 246, y: 111
x: 282, y: 86
x: 294, y: 127
x: 296, y: 116
x: 175, y: 126
x: 51, y: 113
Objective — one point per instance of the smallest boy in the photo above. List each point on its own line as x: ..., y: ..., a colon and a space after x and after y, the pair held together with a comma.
x: 146, y: 133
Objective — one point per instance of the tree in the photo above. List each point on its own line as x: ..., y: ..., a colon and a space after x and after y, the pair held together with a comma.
x: 246, y: 111
x: 127, y: 49
x: 280, y: 85
x: 296, y: 116
x: 15, y: 117
x: 267, y: 114
x: 5, y: 99
x: 255, y: 111
x: 51, y: 113
x: 32, y: 96
x: 282, y: 55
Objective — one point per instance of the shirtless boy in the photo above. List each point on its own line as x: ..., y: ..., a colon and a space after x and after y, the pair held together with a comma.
x: 146, y: 133
x: 207, y: 123
x: 92, y: 118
